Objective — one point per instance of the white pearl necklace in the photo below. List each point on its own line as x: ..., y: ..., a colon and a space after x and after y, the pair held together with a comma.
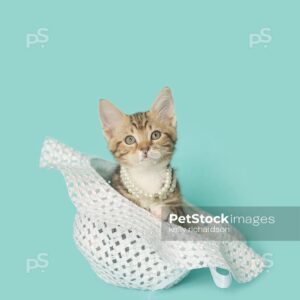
x: 167, y: 188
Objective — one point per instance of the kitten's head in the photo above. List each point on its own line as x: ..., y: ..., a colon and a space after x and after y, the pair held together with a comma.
x: 144, y: 138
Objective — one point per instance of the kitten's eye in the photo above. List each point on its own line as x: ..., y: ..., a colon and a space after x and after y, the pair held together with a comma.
x: 129, y: 140
x: 155, y: 135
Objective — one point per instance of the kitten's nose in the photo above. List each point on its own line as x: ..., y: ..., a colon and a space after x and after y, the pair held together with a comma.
x: 144, y: 149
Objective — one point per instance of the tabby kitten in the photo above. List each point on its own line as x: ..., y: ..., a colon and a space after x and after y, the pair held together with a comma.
x: 143, y: 144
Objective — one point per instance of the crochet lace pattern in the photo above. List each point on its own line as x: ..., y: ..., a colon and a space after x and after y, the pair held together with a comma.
x: 122, y: 242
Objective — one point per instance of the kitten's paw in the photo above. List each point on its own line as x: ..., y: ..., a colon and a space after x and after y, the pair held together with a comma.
x: 156, y: 211
x: 160, y: 213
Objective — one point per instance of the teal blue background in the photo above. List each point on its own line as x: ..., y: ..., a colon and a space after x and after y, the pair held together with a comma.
x: 238, y: 124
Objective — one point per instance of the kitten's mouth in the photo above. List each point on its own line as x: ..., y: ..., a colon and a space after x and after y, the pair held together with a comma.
x: 145, y: 158
x: 150, y: 156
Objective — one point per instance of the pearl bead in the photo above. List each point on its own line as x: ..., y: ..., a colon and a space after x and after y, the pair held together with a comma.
x: 168, y: 186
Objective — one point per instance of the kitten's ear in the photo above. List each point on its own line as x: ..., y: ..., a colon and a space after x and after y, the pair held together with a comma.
x: 163, y: 107
x: 110, y: 116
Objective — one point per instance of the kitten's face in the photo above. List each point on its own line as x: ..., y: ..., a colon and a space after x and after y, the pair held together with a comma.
x: 141, y: 139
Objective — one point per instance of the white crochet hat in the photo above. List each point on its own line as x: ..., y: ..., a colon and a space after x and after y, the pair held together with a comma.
x: 121, y: 241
